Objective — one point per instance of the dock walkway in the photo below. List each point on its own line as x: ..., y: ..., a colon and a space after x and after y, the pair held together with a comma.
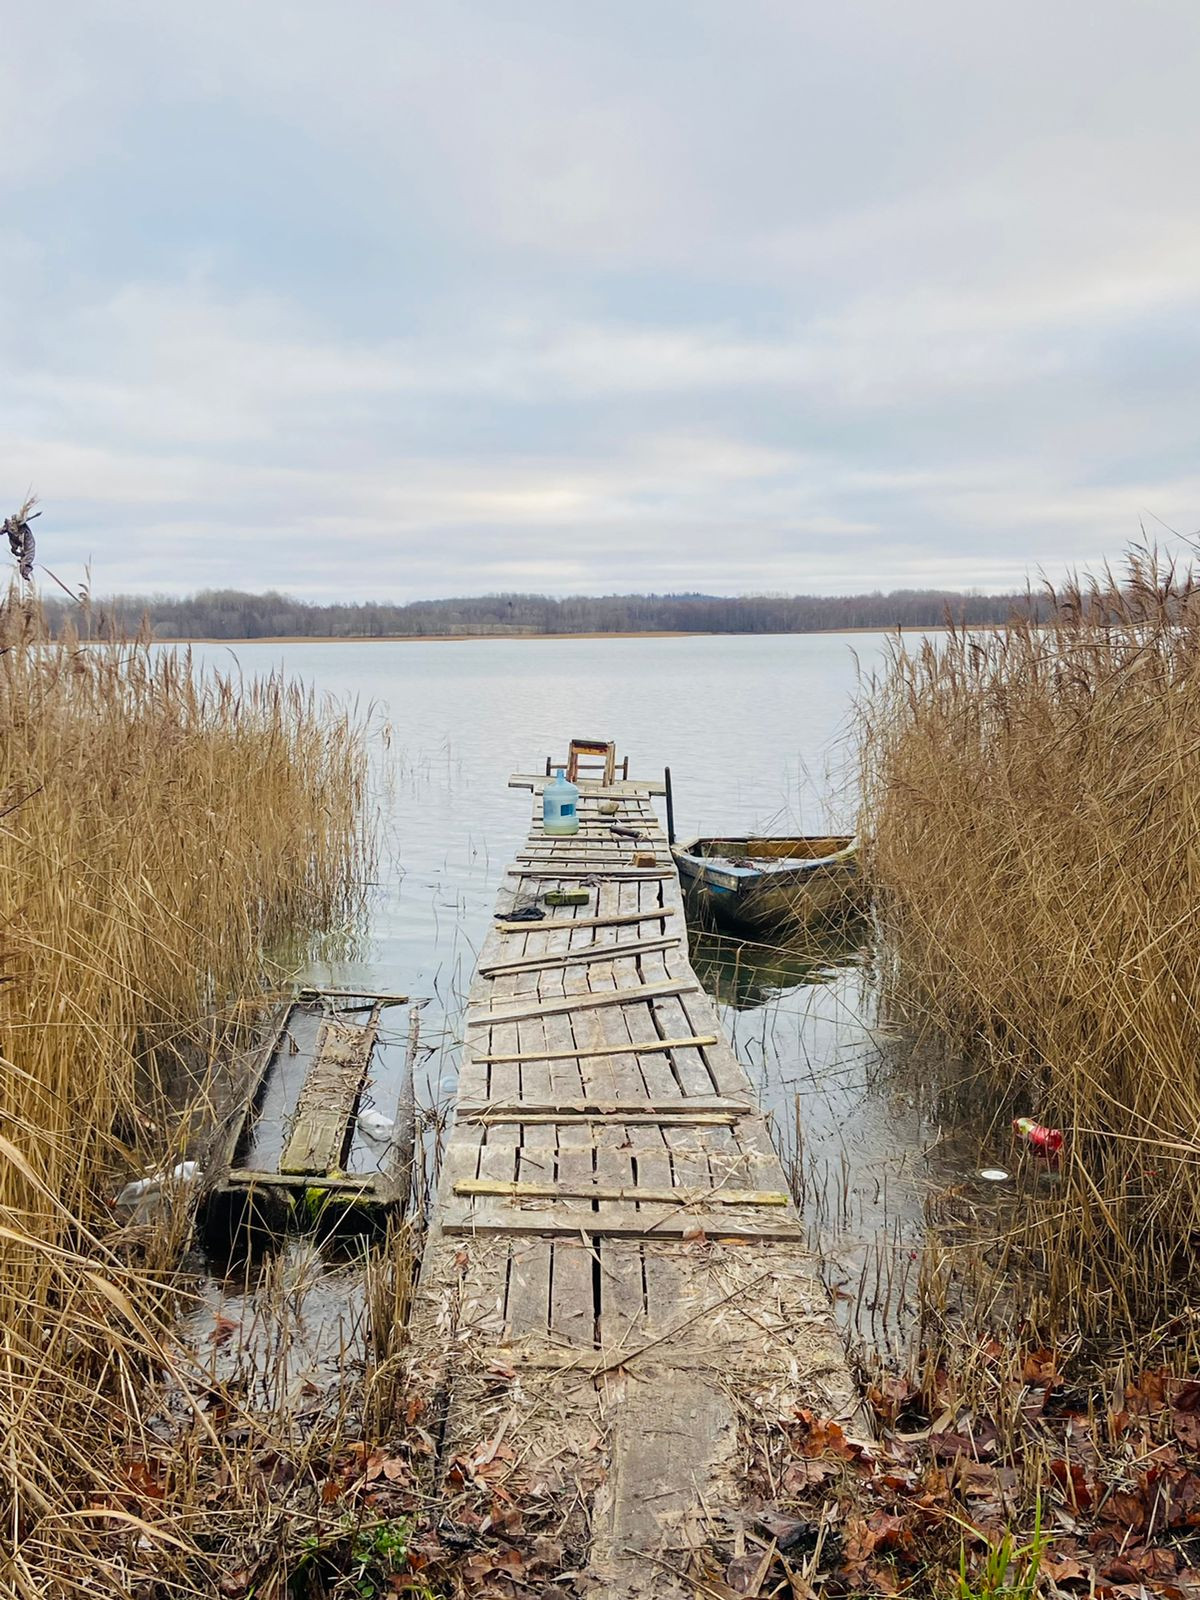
x: 616, y: 1286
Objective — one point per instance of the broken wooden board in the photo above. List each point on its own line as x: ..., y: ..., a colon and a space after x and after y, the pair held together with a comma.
x: 583, y: 953
x: 328, y: 1100
x: 572, y: 1003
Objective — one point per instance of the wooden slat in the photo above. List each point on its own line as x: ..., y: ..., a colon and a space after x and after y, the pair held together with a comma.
x: 572, y: 1313
x: 614, y: 852
x: 329, y: 1095
x: 548, y: 923
x: 527, y: 1311
x: 621, y: 997
x: 652, y: 1223
x: 224, y: 1145
x: 588, y: 952
x: 622, y: 1300
x: 606, y: 1049
x: 623, y: 1106
x: 634, y: 1194
x: 621, y: 1110
x: 572, y: 874
x: 302, y: 1180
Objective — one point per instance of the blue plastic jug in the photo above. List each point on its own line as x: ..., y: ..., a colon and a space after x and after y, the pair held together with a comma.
x: 560, y: 806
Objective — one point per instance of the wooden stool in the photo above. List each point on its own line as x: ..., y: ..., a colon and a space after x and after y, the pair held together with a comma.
x: 592, y: 757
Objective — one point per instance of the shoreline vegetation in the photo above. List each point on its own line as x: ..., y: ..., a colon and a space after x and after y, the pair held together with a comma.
x: 160, y: 832
x: 219, y: 615
x: 1031, y: 811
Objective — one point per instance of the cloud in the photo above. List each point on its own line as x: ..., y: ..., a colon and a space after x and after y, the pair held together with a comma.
x: 411, y: 301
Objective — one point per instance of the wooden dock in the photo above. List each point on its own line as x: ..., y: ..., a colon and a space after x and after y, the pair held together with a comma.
x: 290, y: 1151
x: 616, y: 1286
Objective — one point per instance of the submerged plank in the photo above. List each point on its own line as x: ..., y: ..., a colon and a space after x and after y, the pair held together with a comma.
x: 329, y: 1096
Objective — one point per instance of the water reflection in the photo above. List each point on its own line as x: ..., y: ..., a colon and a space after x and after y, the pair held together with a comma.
x: 746, y: 974
x: 870, y: 1146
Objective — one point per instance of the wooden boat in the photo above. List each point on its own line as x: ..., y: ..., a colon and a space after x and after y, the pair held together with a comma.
x: 770, y: 886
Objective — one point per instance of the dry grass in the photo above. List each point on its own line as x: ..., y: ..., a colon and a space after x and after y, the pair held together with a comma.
x: 158, y: 839
x: 1032, y: 825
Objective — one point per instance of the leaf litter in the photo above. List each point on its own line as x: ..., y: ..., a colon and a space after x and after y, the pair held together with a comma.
x: 943, y: 1482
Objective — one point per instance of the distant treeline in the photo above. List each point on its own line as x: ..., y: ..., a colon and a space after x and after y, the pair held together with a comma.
x: 232, y: 614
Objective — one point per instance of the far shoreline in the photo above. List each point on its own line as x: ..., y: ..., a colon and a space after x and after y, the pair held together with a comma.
x: 535, y: 638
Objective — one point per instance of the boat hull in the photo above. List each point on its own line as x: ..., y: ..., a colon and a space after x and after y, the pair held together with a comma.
x: 771, y: 895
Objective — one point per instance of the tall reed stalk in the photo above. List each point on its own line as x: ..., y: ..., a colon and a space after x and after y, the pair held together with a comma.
x: 160, y: 832
x: 1032, y: 826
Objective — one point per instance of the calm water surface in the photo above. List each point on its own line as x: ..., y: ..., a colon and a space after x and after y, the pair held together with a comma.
x: 754, y: 730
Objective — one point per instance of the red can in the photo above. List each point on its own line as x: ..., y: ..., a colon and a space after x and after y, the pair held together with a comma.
x: 1045, y: 1141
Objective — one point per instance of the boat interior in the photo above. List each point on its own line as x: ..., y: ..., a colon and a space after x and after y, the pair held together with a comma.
x: 800, y: 848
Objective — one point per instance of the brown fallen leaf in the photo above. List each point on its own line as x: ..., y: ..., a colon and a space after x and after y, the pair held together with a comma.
x: 823, y: 1437
x: 1072, y: 1479
x: 1137, y: 1565
x: 744, y: 1574
x: 146, y: 1479
x: 1065, y: 1570
x: 890, y: 1396
x: 891, y: 1532
x: 884, y: 1579
x: 805, y: 1472
x: 224, y: 1329
x: 1127, y: 1510
x: 1039, y: 1368
x: 788, y: 1533
x: 1148, y: 1394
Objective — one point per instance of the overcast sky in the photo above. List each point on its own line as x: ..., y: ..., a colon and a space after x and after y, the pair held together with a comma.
x: 402, y: 300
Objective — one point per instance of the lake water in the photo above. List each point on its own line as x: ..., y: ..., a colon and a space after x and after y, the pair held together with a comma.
x: 755, y: 732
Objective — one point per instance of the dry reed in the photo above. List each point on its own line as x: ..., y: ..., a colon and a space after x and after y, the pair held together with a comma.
x: 161, y: 832
x: 1032, y: 828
